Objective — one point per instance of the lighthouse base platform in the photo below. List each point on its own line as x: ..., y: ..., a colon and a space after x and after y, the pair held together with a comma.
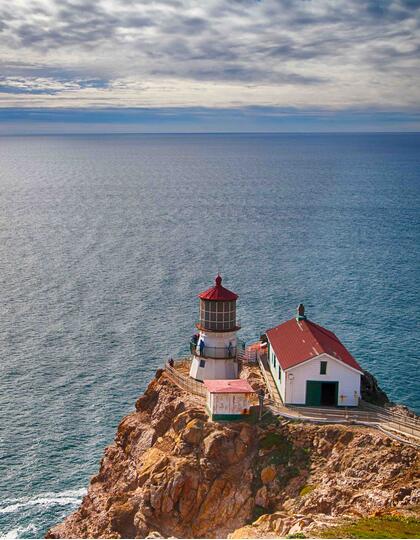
x: 212, y: 368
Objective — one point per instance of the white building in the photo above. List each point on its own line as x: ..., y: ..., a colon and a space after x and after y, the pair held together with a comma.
x: 214, y: 349
x: 311, y: 366
x: 229, y: 399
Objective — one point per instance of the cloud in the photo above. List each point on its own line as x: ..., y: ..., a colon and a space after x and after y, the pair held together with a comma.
x: 218, y: 53
x: 46, y: 86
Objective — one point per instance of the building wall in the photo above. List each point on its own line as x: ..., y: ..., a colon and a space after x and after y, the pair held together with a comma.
x: 215, y: 368
x: 293, y: 391
x: 348, y: 381
x: 209, y: 368
x: 278, y: 376
x: 228, y: 404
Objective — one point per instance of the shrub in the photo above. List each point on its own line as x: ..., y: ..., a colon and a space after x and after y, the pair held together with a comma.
x: 306, y: 490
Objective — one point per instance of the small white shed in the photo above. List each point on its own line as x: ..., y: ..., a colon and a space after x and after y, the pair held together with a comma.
x: 229, y: 399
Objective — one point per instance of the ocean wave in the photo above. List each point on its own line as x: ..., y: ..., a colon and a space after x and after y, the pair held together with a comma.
x: 19, y: 531
x: 70, y: 497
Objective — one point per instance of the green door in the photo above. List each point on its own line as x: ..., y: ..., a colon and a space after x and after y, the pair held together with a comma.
x: 313, y: 393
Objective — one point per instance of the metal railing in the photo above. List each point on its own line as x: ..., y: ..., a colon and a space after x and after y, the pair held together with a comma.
x: 185, y: 382
x: 213, y: 352
x: 392, y: 420
x: 218, y: 352
x: 414, y: 420
x: 250, y: 356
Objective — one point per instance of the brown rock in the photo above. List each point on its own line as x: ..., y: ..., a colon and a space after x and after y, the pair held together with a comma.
x: 261, y: 497
x: 122, y: 518
x: 170, y: 472
x: 246, y: 434
x: 193, y: 432
x: 268, y: 474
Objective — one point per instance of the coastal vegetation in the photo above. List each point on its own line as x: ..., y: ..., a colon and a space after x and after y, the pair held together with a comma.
x: 306, y: 490
x: 383, y: 526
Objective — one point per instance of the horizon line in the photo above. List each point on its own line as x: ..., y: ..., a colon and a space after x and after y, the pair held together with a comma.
x: 320, y: 132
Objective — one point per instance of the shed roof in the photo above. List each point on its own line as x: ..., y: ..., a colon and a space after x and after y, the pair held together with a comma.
x: 295, y: 342
x: 228, y: 386
x: 218, y: 292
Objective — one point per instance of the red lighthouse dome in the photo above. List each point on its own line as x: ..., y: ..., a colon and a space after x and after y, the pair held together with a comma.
x: 218, y: 293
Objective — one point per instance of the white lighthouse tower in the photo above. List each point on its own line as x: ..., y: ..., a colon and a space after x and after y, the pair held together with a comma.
x: 214, y: 348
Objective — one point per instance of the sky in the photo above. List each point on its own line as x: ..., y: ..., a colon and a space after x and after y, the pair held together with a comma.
x: 210, y: 65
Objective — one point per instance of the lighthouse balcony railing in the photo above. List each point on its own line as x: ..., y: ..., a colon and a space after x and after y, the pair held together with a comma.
x: 214, y: 352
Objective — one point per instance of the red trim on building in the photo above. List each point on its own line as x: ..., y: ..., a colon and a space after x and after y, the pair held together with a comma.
x: 218, y: 292
x: 294, y: 342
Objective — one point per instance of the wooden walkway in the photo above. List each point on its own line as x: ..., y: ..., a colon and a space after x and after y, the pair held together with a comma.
x: 269, y: 382
x: 397, y: 426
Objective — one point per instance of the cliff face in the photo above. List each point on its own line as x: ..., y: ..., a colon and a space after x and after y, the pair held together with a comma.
x: 173, y: 472
x: 371, y: 391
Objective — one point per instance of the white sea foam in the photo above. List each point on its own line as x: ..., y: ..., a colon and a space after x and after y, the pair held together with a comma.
x: 70, y: 497
x: 19, y: 531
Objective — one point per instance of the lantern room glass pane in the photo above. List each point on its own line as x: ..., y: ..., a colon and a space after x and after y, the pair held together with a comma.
x: 217, y: 316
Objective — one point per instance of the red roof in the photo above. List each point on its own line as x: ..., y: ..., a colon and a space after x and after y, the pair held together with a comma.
x: 228, y: 386
x: 218, y: 292
x: 295, y: 342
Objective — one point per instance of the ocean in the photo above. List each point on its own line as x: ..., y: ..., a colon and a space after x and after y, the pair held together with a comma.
x: 105, y: 241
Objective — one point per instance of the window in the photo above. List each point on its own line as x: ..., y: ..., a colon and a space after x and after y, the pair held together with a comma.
x: 279, y: 373
x: 218, y: 316
x: 202, y: 363
x: 323, y: 369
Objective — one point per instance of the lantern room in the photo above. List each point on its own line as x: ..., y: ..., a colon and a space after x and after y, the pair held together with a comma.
x: 218, y: 309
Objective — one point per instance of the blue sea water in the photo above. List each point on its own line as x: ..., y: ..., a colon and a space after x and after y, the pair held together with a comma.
x: 105, y: 242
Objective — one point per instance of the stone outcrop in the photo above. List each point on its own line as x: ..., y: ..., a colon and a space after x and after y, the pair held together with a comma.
x: 172, y: 473
x: 371, y: 391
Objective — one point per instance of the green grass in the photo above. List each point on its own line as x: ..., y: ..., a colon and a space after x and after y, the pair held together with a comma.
x: 375, y: 527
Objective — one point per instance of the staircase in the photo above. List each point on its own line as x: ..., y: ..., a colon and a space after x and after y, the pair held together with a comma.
x: 269, y: 381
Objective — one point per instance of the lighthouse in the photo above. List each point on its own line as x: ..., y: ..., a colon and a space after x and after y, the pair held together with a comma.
x: 214, y: 348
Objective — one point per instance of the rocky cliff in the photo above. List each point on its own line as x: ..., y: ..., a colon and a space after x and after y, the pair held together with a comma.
x: 171, y: 472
